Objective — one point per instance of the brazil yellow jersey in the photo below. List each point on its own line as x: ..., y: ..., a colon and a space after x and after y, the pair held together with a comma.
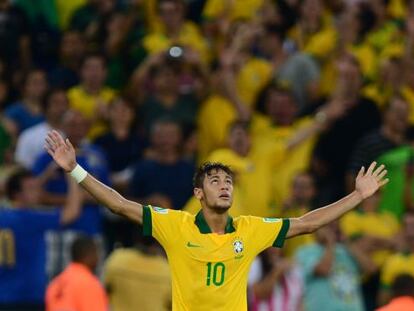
x: 209, y: 271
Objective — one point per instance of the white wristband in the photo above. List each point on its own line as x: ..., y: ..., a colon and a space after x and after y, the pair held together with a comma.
x: 78, y: 173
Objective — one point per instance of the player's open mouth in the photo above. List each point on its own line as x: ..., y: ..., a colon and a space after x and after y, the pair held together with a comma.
x: 224, y: 196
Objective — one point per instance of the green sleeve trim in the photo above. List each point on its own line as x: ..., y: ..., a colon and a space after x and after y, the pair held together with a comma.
x: 146, y: 221
x: 281, y: 237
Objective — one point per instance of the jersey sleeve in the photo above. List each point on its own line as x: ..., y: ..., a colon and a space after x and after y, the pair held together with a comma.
x: 268, y: 232
x: 161, y: 223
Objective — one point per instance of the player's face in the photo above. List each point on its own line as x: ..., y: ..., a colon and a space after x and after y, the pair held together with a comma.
x: 217, y: 192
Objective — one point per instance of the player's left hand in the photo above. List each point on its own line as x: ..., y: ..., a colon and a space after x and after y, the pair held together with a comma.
x: 367, y: 183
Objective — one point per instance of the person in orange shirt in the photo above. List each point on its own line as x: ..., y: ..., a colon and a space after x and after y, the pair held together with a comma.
x: 403, y: 289
x: 77, y: 288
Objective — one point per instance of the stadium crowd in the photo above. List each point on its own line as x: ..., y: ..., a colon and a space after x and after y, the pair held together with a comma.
x: 294, y: 95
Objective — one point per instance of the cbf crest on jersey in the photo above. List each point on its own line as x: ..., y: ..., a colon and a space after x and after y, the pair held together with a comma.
x: 238, y: 247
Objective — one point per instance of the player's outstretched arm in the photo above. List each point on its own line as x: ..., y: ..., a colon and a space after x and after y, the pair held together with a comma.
x: 367, y: 183
x: 64, y: 155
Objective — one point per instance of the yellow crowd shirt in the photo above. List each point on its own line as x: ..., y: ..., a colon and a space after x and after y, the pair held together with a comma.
x: 231, y: 9
x: 408, y: 94
x: 254, y: 178
x: 252, y: 78
x: 401, y: 263
x: 267, y: 136
x: 209, y: 271
x: 381, y: 225
x: 137, y: 281
x: 87, y: 104
x: 189, y: 36
x: 213, y: 127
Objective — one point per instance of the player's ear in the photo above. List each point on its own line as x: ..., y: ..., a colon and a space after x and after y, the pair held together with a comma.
x: 198, y: 193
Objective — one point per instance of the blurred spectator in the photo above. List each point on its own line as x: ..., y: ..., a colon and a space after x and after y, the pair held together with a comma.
x: 278, y: 122
x: 138, y: 278
x: 53, y: 179
x: 376, y: 233
x: 212, y: 127
x: 22, y: 240
x: 87, y: 18
x: 385, y: 32
x: 31, y: 141
x: 14, y: 36
x: 361, y: 116
x: 152, y: 176
x: 396, y: 198
x: 314, y: 32
x: 71, y: 52
x: 54, y: 185
x: 403, y: 294
x: 401, y: 262
x: 228, y: 11
x: 175, y: 30
x: 301, y: 201
x: 390, y: 135
x: 255, y: 165
x: 44, y: 32
x: 388, y: 83
x: 298, y: 70
x: 165, y: 100
x: 122, y: 145
x: 275, y: 283
x: 353, y: 26
x: 28, y: 111
x: 91, y: 97
x: 331, y: 274
x: 65, y: 11
x: 77, y: 288
x: 407, y: 89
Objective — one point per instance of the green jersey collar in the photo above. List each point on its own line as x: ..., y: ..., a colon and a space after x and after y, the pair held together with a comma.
x: 202, y: 225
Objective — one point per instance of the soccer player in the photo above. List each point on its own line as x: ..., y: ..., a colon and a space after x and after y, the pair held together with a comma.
x: 210, y: 253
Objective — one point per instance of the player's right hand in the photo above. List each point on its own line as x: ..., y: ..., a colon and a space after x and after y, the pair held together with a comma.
x: 61, y: 150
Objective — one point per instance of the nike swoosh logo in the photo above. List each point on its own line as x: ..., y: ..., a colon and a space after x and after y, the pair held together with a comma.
x: 189, y: 244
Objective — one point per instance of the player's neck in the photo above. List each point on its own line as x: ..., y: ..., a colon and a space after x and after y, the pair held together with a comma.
x: 216, y: 221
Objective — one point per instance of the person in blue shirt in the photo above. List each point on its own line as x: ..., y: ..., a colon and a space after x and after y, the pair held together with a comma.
x: 23, y: 277
x: 331, y: 272
x: 164, y: 177
x: 28, y: 111
x: 53, y: 179
x: 55, y: 189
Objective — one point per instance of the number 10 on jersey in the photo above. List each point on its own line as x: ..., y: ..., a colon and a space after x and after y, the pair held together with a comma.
x: 215, y: 273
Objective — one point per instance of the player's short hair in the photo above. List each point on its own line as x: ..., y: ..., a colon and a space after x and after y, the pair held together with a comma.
x: 206, y: 168
x: 82, y: 247
x: 403, y: 285
x: 14, y: 182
